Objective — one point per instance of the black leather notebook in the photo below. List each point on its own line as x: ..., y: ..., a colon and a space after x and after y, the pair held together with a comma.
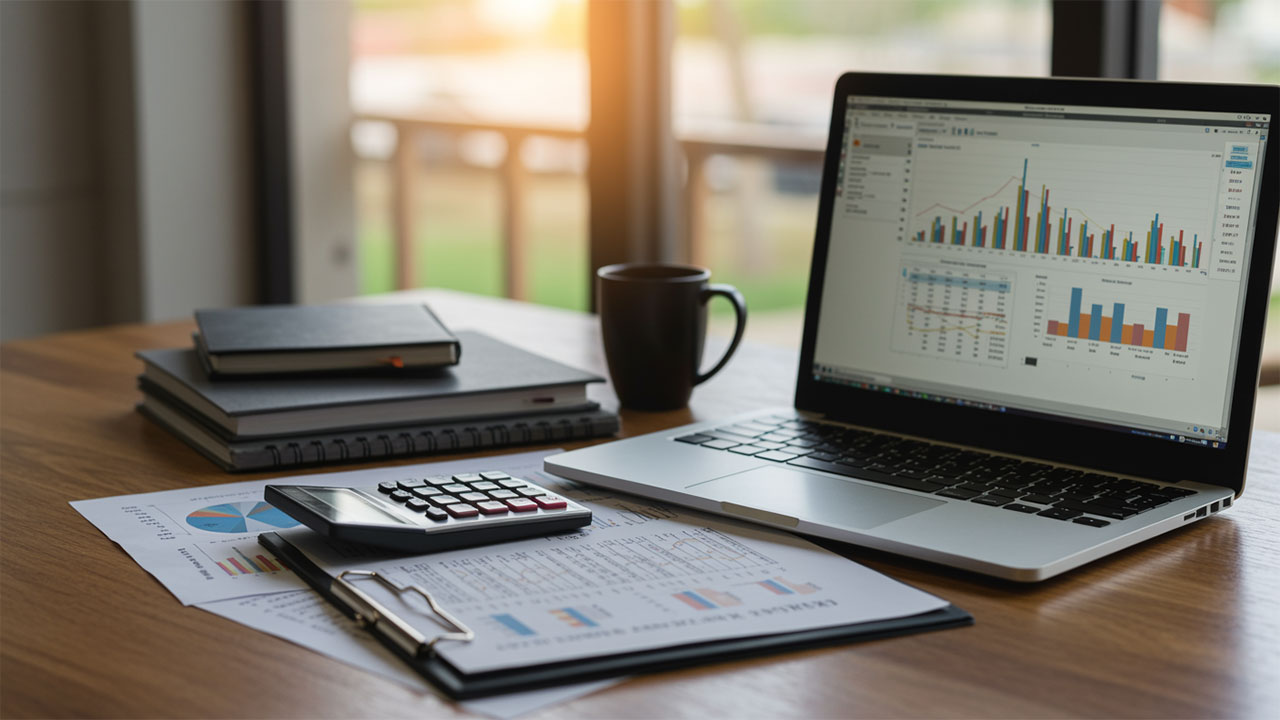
x: 418, y: 652
x: 317, y: 338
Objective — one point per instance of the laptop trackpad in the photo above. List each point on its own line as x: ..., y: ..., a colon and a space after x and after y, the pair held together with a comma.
x: 814, y: 498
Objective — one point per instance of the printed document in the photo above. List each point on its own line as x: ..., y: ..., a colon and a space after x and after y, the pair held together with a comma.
x: 643, y: 575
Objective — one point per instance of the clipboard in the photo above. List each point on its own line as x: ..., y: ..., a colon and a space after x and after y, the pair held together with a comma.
x: 420, y: 653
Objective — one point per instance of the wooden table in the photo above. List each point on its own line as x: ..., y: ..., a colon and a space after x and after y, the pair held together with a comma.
x: 1187, y: 625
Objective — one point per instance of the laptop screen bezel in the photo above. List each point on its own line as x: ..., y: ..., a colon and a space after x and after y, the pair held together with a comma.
x: 1055, y: 440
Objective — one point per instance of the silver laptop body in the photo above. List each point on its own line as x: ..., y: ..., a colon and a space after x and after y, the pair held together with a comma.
x: 1047, y: 295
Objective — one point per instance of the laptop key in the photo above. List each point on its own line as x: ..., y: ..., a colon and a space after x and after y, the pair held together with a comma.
x: 1004, y: 492
x: 720, y: 444
x: 1019, y: 507
x: 1091, y: 522
x: 958, y: 493
x: 1059, y: 513
x: 1038, y: 498
x: 748, y: 449
x: 824, y: 456
x: 992, y: 500
x: 694, y: 439
x: 1106, y: 512
x: 881, y: 478
x: 777, y: 456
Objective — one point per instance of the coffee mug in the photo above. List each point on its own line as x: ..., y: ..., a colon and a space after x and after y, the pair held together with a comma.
x: 653, y: 318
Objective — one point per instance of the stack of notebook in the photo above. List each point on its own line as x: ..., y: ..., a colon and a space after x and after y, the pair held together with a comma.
x: 349, y: 383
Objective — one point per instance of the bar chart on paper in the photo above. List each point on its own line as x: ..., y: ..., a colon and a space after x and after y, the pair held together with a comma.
x: 1139, y: 207
x: 960, y: 315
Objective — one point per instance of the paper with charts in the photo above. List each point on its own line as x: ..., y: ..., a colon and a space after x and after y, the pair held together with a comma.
x: 640, y: 576
x: 202, y: 543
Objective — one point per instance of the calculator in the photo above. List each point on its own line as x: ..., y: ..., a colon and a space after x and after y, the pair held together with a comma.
x: 441, y: 512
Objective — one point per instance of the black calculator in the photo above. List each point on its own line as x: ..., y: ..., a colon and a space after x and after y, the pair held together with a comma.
x: 433, y: 513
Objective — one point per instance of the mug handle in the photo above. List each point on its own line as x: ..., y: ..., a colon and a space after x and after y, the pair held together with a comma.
x: 730, y: 293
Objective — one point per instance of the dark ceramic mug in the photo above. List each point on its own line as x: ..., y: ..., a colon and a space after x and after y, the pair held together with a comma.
x: 653, y: 319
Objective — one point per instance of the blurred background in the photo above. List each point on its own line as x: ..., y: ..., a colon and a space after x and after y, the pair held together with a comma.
x: 163, y: 156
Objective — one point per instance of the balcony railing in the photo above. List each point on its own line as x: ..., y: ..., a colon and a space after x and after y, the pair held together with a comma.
x: 698, y: 147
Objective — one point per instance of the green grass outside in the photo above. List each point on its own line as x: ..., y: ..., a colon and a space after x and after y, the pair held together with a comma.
x: 459, y: 240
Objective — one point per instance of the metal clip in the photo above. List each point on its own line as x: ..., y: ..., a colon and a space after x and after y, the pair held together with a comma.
x: 371, y: 613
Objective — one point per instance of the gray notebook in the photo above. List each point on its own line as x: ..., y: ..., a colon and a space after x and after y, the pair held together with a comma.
x: 492, y: 379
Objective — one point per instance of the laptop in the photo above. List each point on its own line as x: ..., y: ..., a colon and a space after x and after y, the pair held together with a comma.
x: 1032, y: 334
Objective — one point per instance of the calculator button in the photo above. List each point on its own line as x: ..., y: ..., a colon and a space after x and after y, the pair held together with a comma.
x: 550, y: 502
x: 426, y: 492
x: 417, y: 504
x: 494, y: 475
x: 411, y: 484
x: 531, y: 491
x: 467, y: 477
x: 492, y: 507
x: 400, y: 495
x: 437, y: 514
x: 388, y: 486
x: 521, y: 504
x: 438, y: 480
x: 443, y: 500
x: 455, y: 488
x: 511, y: 483
x: 484, y: 485
x: 474, y: 497
x: 462, y: 510
x: 501, y: 494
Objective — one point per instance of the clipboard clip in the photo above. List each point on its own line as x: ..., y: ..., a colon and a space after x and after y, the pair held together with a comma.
x: 373, y: 615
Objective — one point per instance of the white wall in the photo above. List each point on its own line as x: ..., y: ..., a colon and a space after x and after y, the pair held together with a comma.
x: 193, y: 154
x: 49, y: 174
x: 323, y: 164
x: 126, y: 184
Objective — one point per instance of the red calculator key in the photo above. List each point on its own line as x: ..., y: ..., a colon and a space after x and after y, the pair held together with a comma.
x: 550, y: 502
x: 461, y: 510
x: 521, y: 504
x: 492, y: 507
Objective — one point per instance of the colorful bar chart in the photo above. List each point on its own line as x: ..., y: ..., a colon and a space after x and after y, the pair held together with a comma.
x: 1055, y: 231
x: 573, y: 617
x: 695, y: 600
x: 242, y: 564
x: 1097, y: 326
x: 511, y: 623
x: 782, y: 586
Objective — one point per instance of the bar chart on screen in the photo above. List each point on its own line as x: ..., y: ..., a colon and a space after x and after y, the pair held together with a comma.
x: 1039, y: 201
x: 1143, y: 325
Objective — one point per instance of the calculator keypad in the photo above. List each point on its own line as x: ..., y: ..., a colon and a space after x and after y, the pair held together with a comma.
x: 438, y: 512
x: 471, y: 495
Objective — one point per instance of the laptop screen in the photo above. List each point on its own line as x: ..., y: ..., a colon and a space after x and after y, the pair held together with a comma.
x: 1086, y: 264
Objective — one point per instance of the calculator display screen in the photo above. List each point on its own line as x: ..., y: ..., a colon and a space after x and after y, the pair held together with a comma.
x: 348, y: 507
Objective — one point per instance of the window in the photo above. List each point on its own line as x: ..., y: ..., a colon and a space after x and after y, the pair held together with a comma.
x: 491, y: 96
x: 764, y: 72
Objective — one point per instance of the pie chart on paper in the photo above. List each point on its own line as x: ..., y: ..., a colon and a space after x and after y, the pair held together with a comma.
x: 239, y: 517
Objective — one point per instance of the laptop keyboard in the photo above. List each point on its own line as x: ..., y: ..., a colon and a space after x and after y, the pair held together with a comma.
x: 1058, y: 493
